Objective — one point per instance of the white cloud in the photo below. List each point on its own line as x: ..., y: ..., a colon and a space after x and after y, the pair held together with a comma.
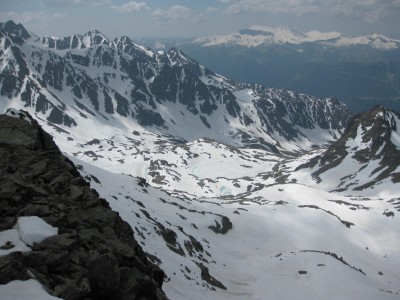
x: 369, y: 10
x: 57, y: 3
x: 174, y: 13
x: 297, y: 7
x: 212, y: 9
x: 92, y: 2
x: 37, y: 18
x: 131, y: 7
x: 177, y: 13
x: 63, y: 3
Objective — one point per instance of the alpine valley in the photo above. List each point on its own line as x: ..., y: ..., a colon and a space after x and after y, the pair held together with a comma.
x: 235, y: 190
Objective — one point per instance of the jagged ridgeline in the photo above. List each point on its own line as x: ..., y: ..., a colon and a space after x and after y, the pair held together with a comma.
x: 89, y: 77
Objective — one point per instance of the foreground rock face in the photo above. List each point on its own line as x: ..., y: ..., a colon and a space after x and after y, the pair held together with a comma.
x: 94, y: 255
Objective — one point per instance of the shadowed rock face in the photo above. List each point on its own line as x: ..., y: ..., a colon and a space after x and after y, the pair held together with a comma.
x: 94, y: 255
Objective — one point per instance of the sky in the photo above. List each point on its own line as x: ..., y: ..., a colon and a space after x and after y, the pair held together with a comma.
x: 175, y: 18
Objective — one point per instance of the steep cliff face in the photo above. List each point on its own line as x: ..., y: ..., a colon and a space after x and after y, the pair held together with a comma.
x: 94, y: 255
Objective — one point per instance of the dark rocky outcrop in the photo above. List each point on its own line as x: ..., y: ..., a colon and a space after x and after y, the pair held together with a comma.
x: 205, y: 275
x: 222, y: 228
x: 94, y: 255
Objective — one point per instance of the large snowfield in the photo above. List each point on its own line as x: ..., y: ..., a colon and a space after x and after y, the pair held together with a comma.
x: 287, y: 240
x: 294, y: 239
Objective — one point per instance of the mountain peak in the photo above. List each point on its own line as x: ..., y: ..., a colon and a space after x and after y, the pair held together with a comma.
x: 372, y: 142
x: 374, y: 126
x: 128, y: 46
x: 177, y: 57
x: 93, y: 32
x: 94, y: 37
x: 15, y: 29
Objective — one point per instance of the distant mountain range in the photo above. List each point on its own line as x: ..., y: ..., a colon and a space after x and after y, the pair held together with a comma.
x: 362, y: 71
x: 261, y: 36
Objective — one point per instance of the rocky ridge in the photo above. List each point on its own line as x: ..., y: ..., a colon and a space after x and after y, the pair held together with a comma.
x: 94, y: 255
x: 90, y: 79
x: 370, y: 143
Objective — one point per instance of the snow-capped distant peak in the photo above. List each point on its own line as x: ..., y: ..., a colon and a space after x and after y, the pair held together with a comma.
x: 280, y: 31
x: 321, y: 36
x: 257, y: 35
x: 262, y: 35
x: 293, y: 35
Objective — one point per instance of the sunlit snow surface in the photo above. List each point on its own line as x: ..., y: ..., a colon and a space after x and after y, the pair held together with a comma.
x: 278, y: 229
x: 291, y: 237
x: 22, y: 290
x: 28, y: 230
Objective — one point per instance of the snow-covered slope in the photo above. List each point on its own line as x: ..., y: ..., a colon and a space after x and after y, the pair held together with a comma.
x: 261, y: 35
x: 274, y: 240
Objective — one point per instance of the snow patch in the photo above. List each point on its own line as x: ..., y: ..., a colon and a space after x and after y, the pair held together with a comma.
x: 15, y: 113
x: 21, y: 290
x: 34, y: 229
x: 27, y: 231
x: 10, y: 241
x: 395, y: 137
